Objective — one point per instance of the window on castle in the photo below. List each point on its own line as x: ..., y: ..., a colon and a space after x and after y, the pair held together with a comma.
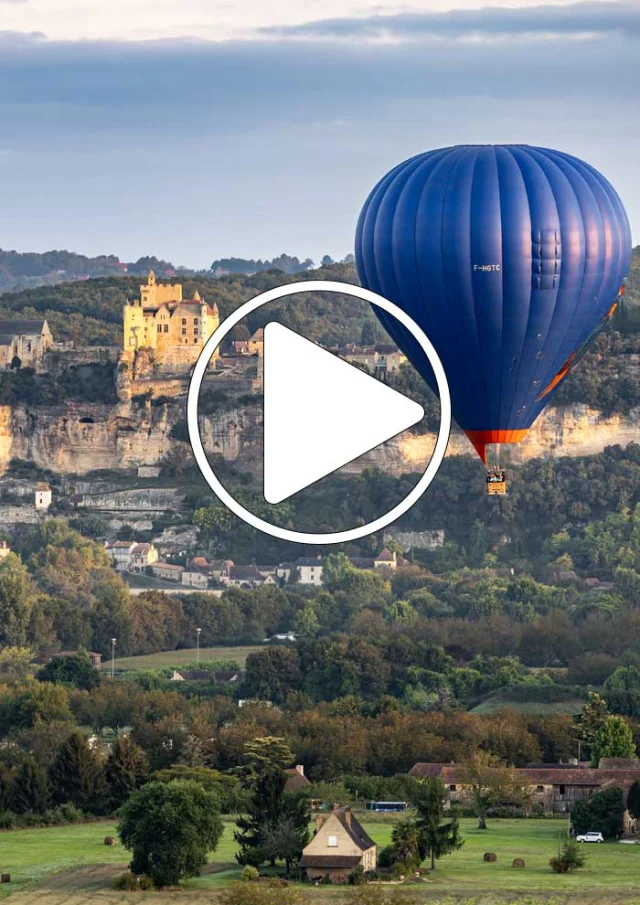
x: 184, y: 320
x: 166, y: 328
x: 184, y: 331
x: 195, y: 320
x: 159, y: 328
x: 195, y: 339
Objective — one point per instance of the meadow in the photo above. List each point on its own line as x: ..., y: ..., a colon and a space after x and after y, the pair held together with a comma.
x: 182, y: 657
x: 72, y: 866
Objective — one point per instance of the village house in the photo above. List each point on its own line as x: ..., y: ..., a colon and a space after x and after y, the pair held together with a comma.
x: 296, y: 780
x: 23, y: 343
x: 167, y: 571
x: 339, y: 847
x: 195, y: 579
x: 248, y: 577
x: 5, y: 549
x: 142, y: 556
x: 304, y: 570
x: 121, y: 552
x: 554, y: 788
x: 96, y: 658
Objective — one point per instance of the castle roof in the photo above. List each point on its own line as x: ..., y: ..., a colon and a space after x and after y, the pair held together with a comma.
x: 9, y: 329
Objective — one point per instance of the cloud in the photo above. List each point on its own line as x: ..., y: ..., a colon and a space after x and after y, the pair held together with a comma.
x: 576, y: 19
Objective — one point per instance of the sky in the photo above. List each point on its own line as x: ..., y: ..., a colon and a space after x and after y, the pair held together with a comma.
x: 196, y: 130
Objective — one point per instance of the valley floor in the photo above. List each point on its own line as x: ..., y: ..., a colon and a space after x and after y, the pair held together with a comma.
x: 72, y: 866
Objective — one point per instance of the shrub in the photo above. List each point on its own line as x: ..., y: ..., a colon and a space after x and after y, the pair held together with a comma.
x: 249, y: 874
x: 569, y: 858
x: 257, y: 894
x: 387, y: 857
x: 133, y: 881
x: 356, y: 877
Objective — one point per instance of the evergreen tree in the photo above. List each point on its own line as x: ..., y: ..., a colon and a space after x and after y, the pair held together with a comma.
x: 633, y: 800
x: 29, y: 791
x: 76, y: 775
x: 438, y: 837
x: 263, y: 811
x: 591, y: 720
x: 125, y: 770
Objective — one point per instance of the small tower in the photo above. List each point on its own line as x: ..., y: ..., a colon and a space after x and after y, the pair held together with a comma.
x: 42, y: 497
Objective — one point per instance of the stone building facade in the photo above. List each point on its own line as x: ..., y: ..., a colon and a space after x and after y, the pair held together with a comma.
x: 172, y: 328
x: 24, y: 341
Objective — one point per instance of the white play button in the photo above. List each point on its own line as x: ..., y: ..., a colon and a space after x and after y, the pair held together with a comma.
x: 320, y: 413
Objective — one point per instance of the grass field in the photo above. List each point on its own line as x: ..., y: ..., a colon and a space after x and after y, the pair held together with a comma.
x: 180, y: 657
x: 71, y: 866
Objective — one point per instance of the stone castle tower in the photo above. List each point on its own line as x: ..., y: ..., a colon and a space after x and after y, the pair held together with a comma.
x: 175, y: 329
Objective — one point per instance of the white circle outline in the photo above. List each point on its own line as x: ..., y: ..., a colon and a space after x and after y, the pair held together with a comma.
x: 302, y: 537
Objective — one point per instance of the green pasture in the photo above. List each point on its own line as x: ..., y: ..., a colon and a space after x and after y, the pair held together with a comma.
x: 181, y: 657
x: 72, y: 864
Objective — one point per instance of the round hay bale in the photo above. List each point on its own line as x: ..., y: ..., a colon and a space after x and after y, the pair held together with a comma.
x: 518, y: 862
x: 5, y: 878
x: 490, y: 857
x: 109, y: 840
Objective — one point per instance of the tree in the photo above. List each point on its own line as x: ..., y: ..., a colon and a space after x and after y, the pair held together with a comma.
x: 438, y: 836
x: 76, y: 775
x: 170, y: 828
x: 591, y: 720
x: 494, y: 784
x: 633, y: 800
x: 603, y: 812
x: 75, y: 670
x: 16, y: 601
x: 407, y: 844
x: 15, y: 664
x: 622, y: 691
x: 272, y: 674
x: 275, y: 824
x: 569, y: 858
x: 615, y: 739
x: 125, y: 770
x: 29, y: 791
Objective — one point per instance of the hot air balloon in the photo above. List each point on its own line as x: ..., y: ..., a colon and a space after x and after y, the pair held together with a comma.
x: 510, y: 258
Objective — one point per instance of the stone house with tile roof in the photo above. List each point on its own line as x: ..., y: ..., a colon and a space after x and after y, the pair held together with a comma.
x: 340, y: 846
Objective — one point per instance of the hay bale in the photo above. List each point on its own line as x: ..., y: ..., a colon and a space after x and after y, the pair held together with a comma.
x: 109, y: 840
x: 518, y: 862
x: 5, y: 878
x: 490, y: 857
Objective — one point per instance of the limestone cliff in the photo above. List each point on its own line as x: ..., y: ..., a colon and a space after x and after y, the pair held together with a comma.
x: 76, y: 439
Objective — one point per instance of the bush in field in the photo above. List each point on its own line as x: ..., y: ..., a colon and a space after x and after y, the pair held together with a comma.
x: 249, y: 874
x: 569, y: 858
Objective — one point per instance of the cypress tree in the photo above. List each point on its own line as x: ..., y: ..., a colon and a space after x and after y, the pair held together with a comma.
x: 29, y: 791
x: 77, y: 776
x: 125, y: 770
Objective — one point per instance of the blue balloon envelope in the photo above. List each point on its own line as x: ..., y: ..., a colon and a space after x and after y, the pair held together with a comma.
x: 510, y: 258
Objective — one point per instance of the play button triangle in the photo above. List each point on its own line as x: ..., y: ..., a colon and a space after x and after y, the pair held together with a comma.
x: 320, y: 413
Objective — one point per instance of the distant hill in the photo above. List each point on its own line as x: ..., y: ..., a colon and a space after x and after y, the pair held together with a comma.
x: 89, y: 312
x: 24, y: 270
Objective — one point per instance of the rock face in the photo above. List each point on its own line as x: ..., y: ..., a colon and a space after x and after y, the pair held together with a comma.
x: 77, y: 439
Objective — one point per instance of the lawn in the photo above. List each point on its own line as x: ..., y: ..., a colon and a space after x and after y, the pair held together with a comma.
x: 188, y: 655
x: 611, y: 873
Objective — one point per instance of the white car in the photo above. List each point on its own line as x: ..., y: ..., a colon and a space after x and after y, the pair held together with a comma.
x: 590, y: 837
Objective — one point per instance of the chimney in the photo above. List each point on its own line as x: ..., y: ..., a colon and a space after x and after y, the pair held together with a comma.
x: 347, y: 816
x: 300, y: 769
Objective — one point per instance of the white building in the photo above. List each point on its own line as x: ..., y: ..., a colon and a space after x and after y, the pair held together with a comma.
x: 5, y: 549
x: 42, y: 496
x: 121, y: 553
x: 306, y: 570
x: 194, y: 579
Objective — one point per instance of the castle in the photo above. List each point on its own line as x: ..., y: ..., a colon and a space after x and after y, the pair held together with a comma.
x: 175, y: 329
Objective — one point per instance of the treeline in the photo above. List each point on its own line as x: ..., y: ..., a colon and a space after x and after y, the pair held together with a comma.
x: 90, y: 312
x: 430, y: 641
x: 92, y: 383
